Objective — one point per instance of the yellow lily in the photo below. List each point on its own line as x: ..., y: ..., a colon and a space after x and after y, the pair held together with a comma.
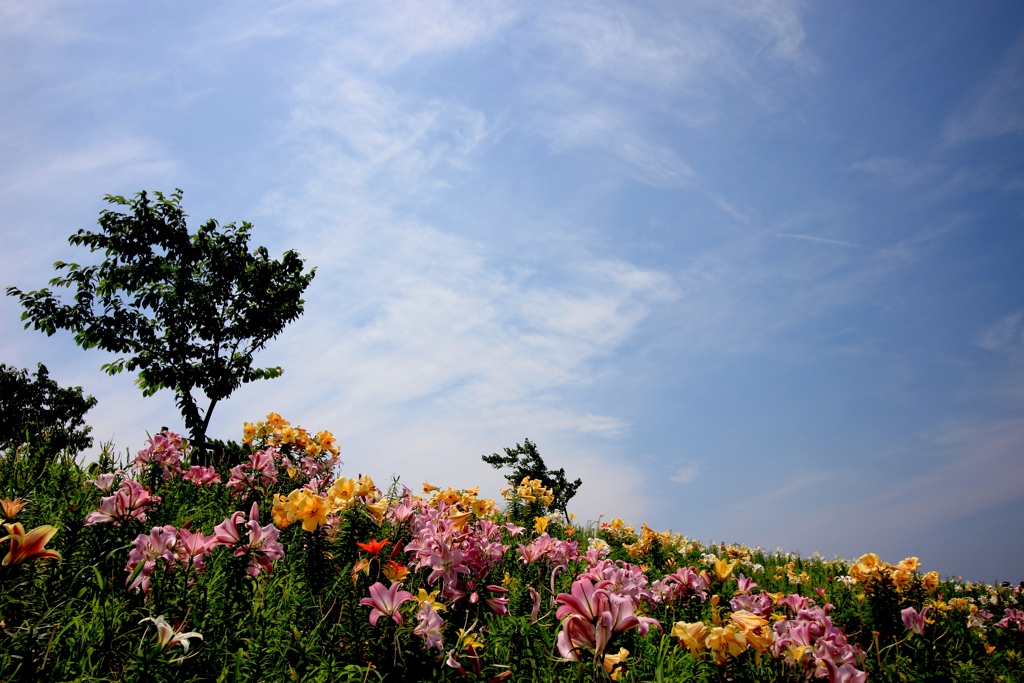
x: 693, y: 636
x: 726, y: 641
x: 312, y: 510
x: 723, y: 568
x: 613, y: 664
x: 378, y: 509
x: 425, y: 598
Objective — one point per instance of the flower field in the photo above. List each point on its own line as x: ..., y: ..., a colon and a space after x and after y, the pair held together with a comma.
x: 274, y: 564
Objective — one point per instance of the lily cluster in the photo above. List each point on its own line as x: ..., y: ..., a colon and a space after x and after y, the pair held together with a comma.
x: 131, y: 502
x: 185, y: 549
x: 530, y: 491
x: 314, y: 510
x: 166, y: 450
x: 591, y: 613
x: 871, y: 569
x: 294, y: 442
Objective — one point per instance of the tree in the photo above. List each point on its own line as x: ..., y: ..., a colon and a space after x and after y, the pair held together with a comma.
x: 41, y: 413
x: 525, y: 461
x: 187, y: 311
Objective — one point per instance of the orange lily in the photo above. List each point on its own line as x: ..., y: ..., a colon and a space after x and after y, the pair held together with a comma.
x: 25, y: 546
x: 395, y: 572
x: 373, y: 546
x: 12, y: 507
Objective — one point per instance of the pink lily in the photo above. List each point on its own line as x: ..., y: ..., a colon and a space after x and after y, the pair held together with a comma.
x: 192, y: 548
x: 847, y: 673
x: 913, y: 620
x: 264, y: 547
x: 146, y: 550
x: 744, y: 584
x: 385, y: 601
x: 226, y: 533
x: 430, y: 626
x: 131, y: 501
x: 201, y: 476
x: 498, y: 605
x: 586, y: 600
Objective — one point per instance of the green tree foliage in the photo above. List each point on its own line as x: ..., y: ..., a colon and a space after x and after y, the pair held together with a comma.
x: 39, y: 412
x: 525, y: 461
x: 187, y: 311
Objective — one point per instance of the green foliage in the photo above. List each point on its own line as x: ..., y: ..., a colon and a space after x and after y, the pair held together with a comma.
x: 42, y: 415
x: 76, y: 619
x: 526, y: 462
x: 226, y: 453
x: 187, y: 311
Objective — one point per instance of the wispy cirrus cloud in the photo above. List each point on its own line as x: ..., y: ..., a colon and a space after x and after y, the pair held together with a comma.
x: 995, y: 106
x: 415, y: 322
x: 1006, y: 335
x: 686, y: 473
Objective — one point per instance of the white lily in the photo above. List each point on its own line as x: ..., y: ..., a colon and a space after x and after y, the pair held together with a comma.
x: 166, y: 636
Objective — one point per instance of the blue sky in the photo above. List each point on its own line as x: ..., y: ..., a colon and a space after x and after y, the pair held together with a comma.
x: 753, y: 271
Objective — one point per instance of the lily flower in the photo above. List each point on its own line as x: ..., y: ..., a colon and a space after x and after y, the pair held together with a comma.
x: 424, y: 598
x: 914, y: 620
x: 535, y: 610
x: 723, y: 568
x: 146, y: 550
x: 725, y: 641
x: 693, y: 636
x: 104, y: 482
x: 226, y: 533
x: 263, y: 546
x: 312, y: 510
x: 377, y: 510
x: 395, y: 571
x: 744, y: 584
x: 402, y: 512
x: 386, y: 601
x: 12, y: 507
x: 166, y: 636
x: 847, y: 673
x: 614, y: 664
x: 25, y: 546
x: 373, y: 546
x: 201, y: 476
x: 430, y: 626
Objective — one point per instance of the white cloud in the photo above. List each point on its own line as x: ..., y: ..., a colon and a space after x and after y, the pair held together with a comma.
x: 1005, y: 335
x: 994, y: 107
x: 682, y: 67
x: 357, y: 131
x: 685, y: 474
x: 408, y: 317
x: 664, y: 50
x: 900, y: 172
x: 819, y: 240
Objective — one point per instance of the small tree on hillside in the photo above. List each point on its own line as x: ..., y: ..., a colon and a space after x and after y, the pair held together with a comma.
x: 39, y: 412
x: 525, y: 461
x: 188, y: 311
